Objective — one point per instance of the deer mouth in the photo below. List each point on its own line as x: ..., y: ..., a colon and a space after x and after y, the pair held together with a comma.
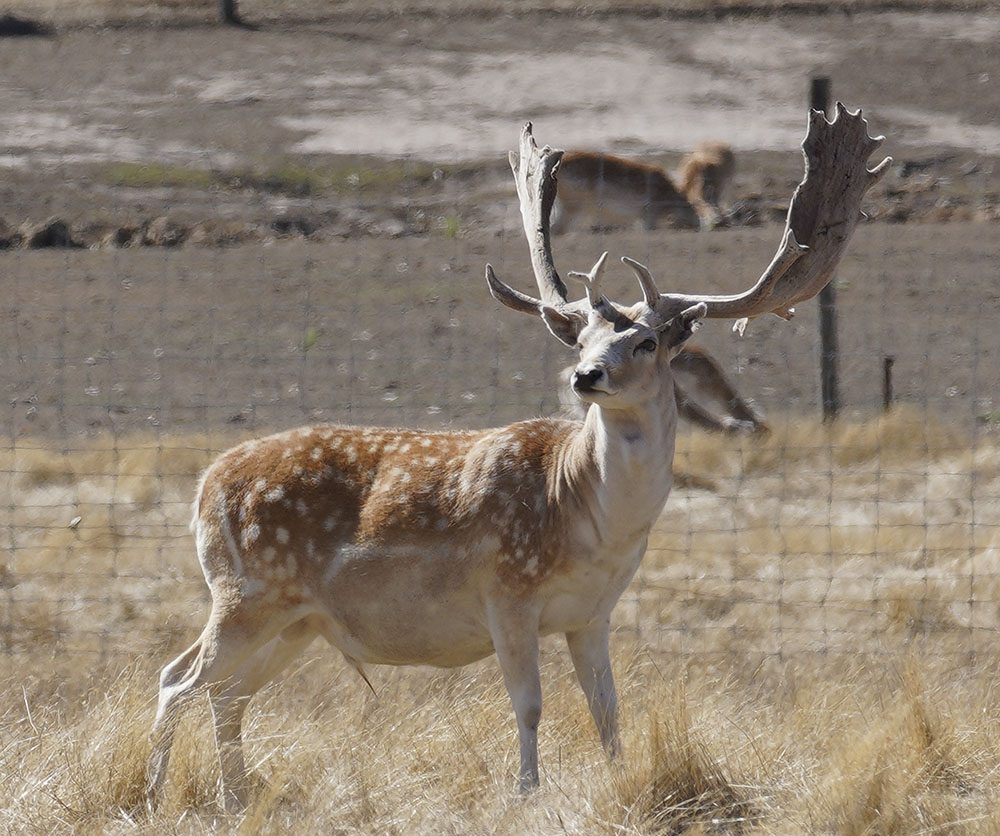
x: 589, y: 392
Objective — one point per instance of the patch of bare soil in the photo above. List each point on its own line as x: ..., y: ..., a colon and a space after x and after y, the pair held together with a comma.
x: 404, y: 331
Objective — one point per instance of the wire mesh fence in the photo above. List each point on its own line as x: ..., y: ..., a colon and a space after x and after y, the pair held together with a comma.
x: 127, y: 371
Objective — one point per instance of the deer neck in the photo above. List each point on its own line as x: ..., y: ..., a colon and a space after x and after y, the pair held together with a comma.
x: 620, y: 464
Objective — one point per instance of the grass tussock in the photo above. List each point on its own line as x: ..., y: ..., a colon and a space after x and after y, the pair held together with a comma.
x: 678, y: 784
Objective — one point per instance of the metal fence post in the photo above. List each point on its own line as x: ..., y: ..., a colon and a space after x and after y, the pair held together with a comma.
x: 819, y: 99
x: 227, y: 10
x: 887, y: 392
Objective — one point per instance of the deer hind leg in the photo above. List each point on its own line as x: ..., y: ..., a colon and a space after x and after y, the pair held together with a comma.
x: 592, y: 662
x: 230, y: 703
x: 515, y: 639
x: 231, y: 637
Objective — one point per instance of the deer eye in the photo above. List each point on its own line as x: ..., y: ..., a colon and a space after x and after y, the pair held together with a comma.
x: 645, y: 345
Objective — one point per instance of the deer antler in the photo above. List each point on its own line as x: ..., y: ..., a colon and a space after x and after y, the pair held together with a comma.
x: 592, y: 280
x: 535, y: 177
x: 822, y: 215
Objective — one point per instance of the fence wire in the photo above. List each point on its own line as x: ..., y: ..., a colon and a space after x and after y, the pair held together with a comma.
x: 126, y: 372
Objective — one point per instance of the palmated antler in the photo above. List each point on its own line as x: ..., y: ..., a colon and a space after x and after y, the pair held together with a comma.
x: 534, y: 171
x: 822, y: 215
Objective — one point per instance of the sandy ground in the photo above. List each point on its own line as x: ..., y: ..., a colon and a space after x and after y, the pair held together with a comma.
x: 451, y: 93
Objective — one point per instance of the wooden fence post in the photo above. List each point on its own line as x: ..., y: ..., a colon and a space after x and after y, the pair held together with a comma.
x: 819, y: 99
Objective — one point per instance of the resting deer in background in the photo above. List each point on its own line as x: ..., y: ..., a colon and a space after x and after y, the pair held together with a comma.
x: 613, y: 190
x: 704, y: 178
x: 405, y: 547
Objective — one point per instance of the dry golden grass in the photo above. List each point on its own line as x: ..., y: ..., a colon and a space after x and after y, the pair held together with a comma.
x: 806, y: 649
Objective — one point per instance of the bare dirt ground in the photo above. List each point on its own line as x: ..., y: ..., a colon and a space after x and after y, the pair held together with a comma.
x: 351, y: 127
x: 404, y: 331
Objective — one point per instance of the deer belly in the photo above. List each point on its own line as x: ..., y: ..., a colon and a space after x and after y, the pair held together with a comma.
x: 406, y: 610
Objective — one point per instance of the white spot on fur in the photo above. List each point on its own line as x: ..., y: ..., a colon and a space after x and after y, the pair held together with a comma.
x: 260, y: 484
x: 531, y: 567
x: 282, y: 535
x: 250, y: 535
x: 268, y: 554
x: 329, y: 523
x: 425, y: 442
x: 291, y: 565
x: 253, y: 586
x: 274, y: 494
x: 351, y: 454
x: 301, y: 507
x: 316, y: 454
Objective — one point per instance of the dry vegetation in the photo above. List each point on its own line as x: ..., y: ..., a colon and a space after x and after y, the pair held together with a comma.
x: 807, y: 648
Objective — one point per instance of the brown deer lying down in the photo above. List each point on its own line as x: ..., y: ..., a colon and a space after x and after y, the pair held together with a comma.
x: 408, y: 547
x: 612, y: 191
x: 705, y: 382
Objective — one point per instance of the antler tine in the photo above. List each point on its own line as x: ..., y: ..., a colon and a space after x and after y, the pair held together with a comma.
x: 506, y: 295
x: 650, y: 292
x: 822, y: 215
x: 592, y: 280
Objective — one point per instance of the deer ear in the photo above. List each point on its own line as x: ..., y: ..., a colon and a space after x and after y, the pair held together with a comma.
x: 681, y: 327
x: 564, y: 327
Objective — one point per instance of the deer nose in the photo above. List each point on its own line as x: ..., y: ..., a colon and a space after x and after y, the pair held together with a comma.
x: 584, y: 381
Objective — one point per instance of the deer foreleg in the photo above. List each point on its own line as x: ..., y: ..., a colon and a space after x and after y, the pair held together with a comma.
x: 514, y: 630
x: 592, y: 661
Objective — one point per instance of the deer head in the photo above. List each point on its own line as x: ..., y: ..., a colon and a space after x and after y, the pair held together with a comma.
x: 623, y: 347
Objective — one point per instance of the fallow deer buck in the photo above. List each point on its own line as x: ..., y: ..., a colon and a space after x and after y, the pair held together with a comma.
x: 405, y: 547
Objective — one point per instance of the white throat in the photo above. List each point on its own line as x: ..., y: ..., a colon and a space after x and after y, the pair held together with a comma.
x: 632, y: 451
